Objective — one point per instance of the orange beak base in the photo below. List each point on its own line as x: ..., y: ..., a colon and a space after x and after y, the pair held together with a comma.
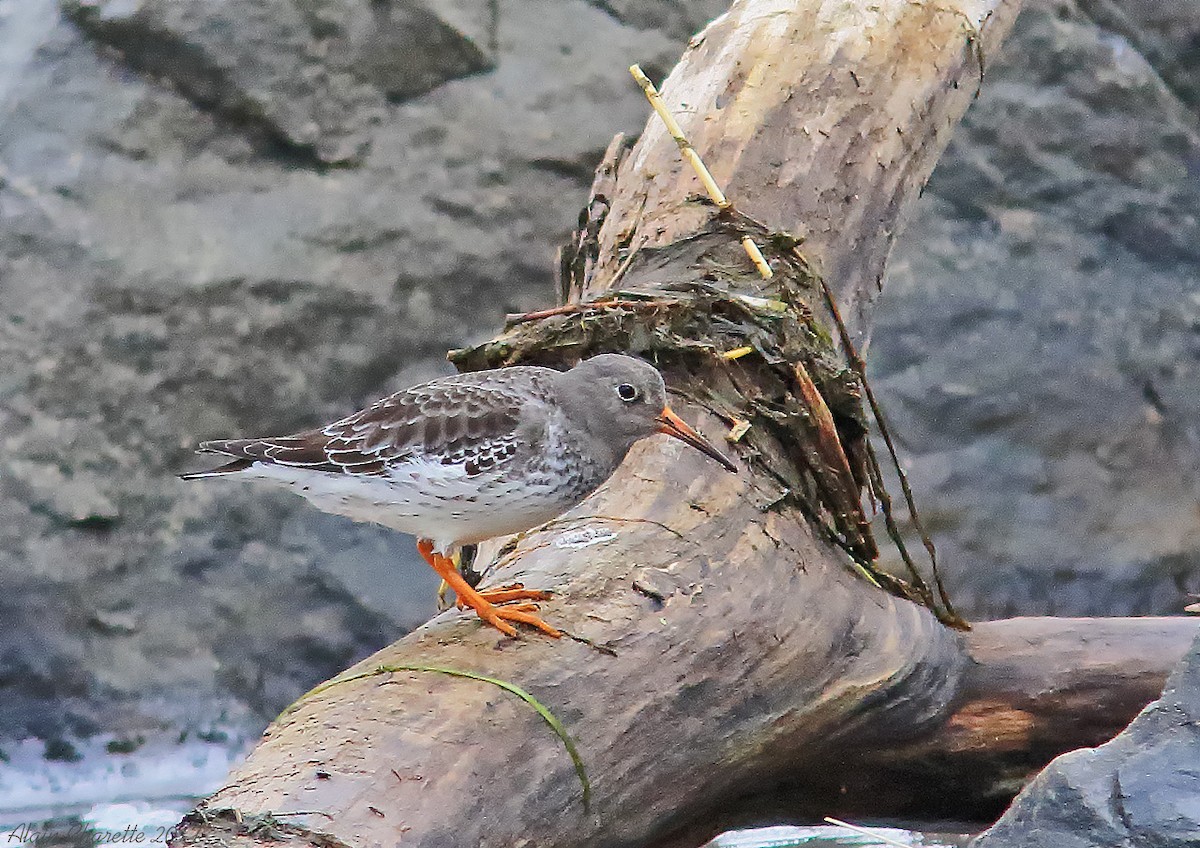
x: 673, y: 425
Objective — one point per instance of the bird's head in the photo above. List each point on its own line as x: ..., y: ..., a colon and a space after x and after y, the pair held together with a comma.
x: 627, y: 401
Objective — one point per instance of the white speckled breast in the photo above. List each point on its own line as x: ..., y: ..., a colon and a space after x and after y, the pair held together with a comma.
x: 448, y: 483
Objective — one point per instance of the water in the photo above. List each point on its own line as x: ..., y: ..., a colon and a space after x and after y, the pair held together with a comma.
x: 826, y: 836
x: 100, y: 797
x: 140, y: 823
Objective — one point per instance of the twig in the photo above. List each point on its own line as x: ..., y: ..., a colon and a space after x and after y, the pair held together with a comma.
x: 833, y: 456
x: 512, y: 319
x: 690, y: 155
x: 594, y: 645
x: 685, y: 147
x: 874, y: 834
x: 889, y: 520
x: 757, y: 258
x: 860, y: 367
x: 625, y: 263
x: 576, y: 519
x: 304, y: 813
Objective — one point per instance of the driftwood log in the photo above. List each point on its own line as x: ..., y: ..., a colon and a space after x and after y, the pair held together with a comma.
x: 729, y: 663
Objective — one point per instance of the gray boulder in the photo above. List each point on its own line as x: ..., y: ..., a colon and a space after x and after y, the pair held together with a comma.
x: 1138, y: 791
x: 313, y: 76
x: 246, y: 217
x: 677, y: 18
x: 1037, y: 348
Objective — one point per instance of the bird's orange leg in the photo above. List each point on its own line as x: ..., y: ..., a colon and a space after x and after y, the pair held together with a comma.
x: 497, y: 617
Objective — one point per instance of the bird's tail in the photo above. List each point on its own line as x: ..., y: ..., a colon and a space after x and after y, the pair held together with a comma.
x: 240, y: 463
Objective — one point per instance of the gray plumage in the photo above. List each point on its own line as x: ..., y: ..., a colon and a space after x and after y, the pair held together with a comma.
x: 472, y: 456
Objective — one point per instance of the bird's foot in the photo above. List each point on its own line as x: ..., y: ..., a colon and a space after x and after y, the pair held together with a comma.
x: 520, y: 613
x: 483, y: 602
x: 512, y: 592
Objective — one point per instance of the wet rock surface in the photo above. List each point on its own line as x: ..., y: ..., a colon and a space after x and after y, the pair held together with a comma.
x: 274, y: 233
x: 1038, y: 345
x: 313, y: 77
x: 176, y: 266
x: 678, y: 18
x: 1137, y: 790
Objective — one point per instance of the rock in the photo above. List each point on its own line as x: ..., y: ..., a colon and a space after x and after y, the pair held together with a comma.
x: 1036, y: 348
x: 1137, y: 790
x: 313, y: 76
x: 175, y: 270
x: 678, y: 18
x: 1165, y: 33
x: 60, y: 749
x: 70, y: 500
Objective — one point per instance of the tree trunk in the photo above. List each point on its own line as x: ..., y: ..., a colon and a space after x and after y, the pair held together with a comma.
x: 726, y: 651
x: 1033, y: 689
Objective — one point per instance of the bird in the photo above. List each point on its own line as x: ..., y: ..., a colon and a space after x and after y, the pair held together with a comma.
x: 465, y: 458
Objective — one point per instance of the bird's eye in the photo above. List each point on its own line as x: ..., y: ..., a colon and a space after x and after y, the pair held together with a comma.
x: 628, y: 393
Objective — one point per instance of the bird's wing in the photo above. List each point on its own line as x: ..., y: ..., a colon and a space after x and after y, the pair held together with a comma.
x: 460, y: 420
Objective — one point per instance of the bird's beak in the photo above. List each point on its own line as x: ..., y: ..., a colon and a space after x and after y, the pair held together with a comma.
x: 672, y: 425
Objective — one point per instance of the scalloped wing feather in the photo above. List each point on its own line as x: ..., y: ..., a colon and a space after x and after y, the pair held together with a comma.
x: 470, y: 420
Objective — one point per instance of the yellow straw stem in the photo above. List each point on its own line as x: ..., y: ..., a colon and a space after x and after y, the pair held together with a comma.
x: 693, y: 158
x: 685, y: 147
x: 757, y: 258
x: 874, y: 834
